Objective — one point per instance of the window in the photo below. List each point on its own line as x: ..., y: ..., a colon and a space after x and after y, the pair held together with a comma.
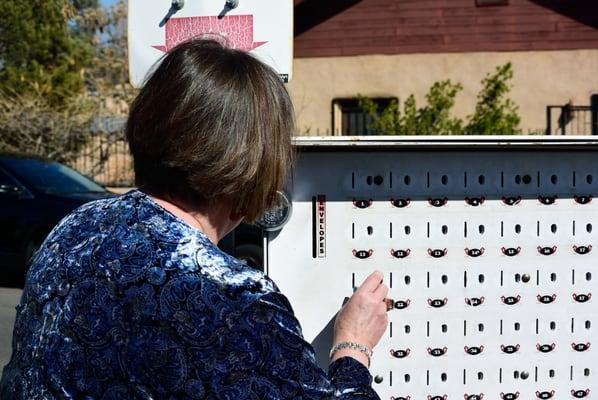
x: 348, y: 119
x: 7, y: 180
x: 51, y: 177
x: 7, y: 183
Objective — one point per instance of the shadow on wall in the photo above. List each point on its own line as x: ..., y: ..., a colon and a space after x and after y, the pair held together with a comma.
x: 310, y: 13
x: 584, y: 11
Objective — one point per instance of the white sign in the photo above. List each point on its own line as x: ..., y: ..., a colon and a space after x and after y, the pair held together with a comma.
x: 264, y: 27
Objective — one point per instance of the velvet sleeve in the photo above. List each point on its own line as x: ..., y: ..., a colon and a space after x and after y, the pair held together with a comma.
x: 275, y: 362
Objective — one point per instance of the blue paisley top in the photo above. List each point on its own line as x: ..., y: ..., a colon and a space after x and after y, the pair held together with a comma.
x: 126, y: 301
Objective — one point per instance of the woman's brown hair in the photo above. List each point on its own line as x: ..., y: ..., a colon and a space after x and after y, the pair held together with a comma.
x: 212, y: 123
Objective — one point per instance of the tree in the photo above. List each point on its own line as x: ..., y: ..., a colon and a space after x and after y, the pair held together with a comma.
x: 41, y: 51
x: 28, y: 124
x: 434, y: 118
x: 77, y: 121
x: 494, y: 112
x: 108, y: 77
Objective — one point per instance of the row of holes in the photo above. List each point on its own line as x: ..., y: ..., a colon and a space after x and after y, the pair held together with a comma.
x: 482, y: 278
x: 481, y: 327
x: 526, y: 179
x: 481, y: 229
x: 524, y: 375
x: 525, y: 278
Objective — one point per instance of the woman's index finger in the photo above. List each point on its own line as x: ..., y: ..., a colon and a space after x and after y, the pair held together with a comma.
x: 372, y: 282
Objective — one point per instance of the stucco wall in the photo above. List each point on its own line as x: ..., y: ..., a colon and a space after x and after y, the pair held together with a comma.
x: 540, y: 79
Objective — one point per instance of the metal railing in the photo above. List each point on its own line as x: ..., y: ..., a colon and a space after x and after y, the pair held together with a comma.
x: 106, y: 159
x: 571, y: 120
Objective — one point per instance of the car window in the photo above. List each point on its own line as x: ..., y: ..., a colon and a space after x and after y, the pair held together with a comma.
x: 51, y: 177
x: 5, y: 179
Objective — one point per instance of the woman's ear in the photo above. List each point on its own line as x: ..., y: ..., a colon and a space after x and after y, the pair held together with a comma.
x: 236, y: 217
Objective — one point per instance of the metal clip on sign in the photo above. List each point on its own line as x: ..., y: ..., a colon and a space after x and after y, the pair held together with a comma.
x: 178, y: 4
x: 232, y: 3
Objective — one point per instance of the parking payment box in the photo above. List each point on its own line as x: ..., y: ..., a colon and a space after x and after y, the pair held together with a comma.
x: 488, y: 245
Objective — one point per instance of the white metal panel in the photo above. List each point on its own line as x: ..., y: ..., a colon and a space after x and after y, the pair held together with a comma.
x: 458, y: 193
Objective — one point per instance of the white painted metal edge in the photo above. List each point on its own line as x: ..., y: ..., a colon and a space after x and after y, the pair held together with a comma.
x: 493, y: 141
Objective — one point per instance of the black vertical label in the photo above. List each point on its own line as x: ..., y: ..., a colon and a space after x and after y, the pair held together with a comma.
x: 318, y: 204
x: 314, y: 227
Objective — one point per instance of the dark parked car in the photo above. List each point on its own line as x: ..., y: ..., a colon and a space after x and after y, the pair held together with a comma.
x: 35, y: 194
x: 246, y: 244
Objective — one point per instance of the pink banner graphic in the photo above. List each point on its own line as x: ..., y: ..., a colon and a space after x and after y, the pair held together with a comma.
x: 236, y: 29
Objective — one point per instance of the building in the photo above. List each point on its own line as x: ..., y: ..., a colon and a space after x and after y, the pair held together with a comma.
x: 392, y: 48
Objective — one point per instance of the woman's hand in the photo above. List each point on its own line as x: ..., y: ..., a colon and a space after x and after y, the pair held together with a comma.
x: 363, y: 319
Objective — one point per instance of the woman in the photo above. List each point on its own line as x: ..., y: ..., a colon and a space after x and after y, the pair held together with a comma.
x: 129, y: 297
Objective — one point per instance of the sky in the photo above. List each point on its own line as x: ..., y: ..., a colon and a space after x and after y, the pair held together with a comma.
x: 108, y: 2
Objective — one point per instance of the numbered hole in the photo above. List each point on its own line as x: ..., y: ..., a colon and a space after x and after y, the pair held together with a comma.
x: 553, y: 228
x: 588, y: 324
x: 443, y: 377
x: 444, y: 279
x: 552, y: 325
x: 518, y: 179
x: 517, y: 277
x: 480, y: 327
x: 586, y: 372
x: 588, y: 276
x: 517, y: 326
x: 589, y: 179
x: 370, y: 230
x: 407, y: 378
x: 516, y: 374
x: 517, y: 228
x: 554, y: 179
x: 407, y: 230
x: 553, y: 277
x: 444, y: 229
x: 589, y: 228
x: 407, y: 180
x: 551, y: 373
x: 407, y: 280
x: 480, y: 376
x: 444, y: 328
x: 369, y: 180
x: 481, y: 229
x: 444, y: 179
x: 481, y: 179
x: 481, y: 278
x: 407, y: 329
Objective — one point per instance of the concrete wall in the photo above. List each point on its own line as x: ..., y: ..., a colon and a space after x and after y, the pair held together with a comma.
x: 541, y: 78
